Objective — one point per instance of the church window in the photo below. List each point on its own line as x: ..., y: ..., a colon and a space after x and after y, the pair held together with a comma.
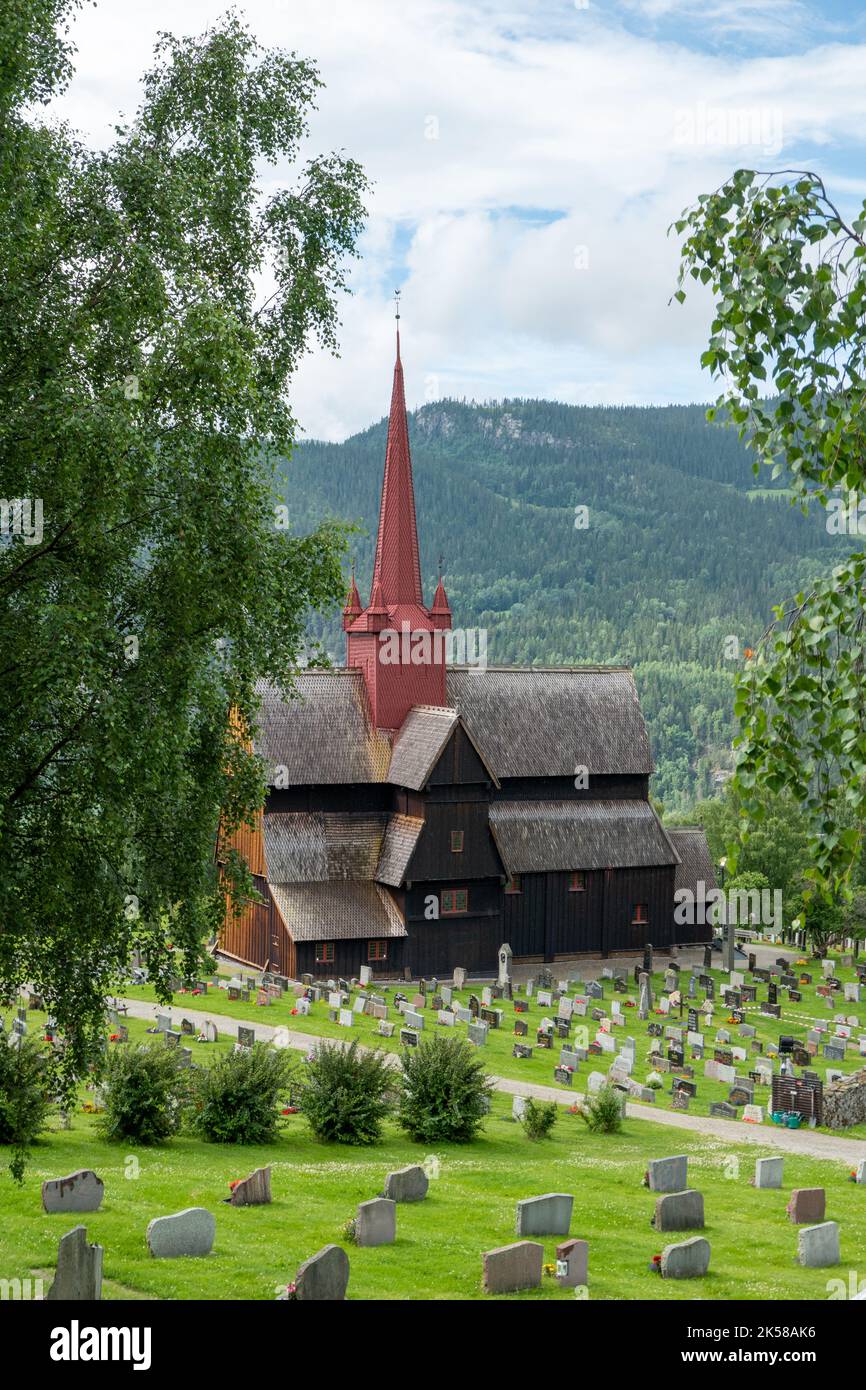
x: 325, y: 951
x: 577, y: 882
x: 640, y: 915
x: 454, y: 900
x: 377, y: 950
x: 456, y: 841
x: 514, y: 884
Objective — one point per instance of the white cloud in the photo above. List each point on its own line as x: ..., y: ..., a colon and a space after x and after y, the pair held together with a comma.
x: 557, y: 129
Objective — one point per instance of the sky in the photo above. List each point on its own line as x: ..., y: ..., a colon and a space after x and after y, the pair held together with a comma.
x: 527, y: 160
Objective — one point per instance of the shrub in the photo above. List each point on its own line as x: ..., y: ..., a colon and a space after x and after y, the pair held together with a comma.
x: 538, y: 1119
x: 24, y: 1100
x: 144, y: 1088
x: 445, y: 1091
x: 237, y: 1100
x: 603, y: 1111
x: 344, y: 1095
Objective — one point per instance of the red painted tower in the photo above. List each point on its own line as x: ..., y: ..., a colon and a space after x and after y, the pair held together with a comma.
x: 397, y: 642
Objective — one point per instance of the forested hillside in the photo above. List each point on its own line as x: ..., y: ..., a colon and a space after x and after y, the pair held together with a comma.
x: 682, y: 548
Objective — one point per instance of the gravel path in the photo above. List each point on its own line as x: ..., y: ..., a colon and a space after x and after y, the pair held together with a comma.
x: 800, y: 1141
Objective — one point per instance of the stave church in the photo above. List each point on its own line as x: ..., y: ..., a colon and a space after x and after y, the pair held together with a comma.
x: 419, y: 813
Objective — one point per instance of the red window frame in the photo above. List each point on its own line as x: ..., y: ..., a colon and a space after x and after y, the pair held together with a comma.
x: 577, y: 881
x: 377, y: 950
x: 456, y: 841
x: 453, y: 896
x: 640, y: 915
x: 325, y: 953
x: 514, y: 884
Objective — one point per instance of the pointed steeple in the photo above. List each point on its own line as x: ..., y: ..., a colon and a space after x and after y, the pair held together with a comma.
x: 440, y: 610
x: 352, y: 609
x: 395, y: 641
x: 397, y: 568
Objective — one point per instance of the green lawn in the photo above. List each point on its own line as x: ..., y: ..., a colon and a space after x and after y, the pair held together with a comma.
x: 796, y: 1020
x: 470, y: 1208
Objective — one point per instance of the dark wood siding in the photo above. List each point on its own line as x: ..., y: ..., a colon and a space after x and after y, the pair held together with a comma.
x: 433, y: 857
x: 349, y: 956
x: 471, y: 939
x: 458, y: 763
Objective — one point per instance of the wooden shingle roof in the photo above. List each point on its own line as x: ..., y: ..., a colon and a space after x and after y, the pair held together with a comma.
x: 524, y: 722
x: 307, y: 847
x: 546, y: 722
x: 337, y: 911
x: 426, y: 729
x: 690, y: 843
x: 401, y: 837
x: 323, y: 736
x: 555, y: 836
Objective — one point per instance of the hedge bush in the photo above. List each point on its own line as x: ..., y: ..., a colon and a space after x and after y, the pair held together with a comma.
x: 445, y: 1091
x: 144, y: 1089
x: 238, y: 1099
x: 344, y: 1095
x: 24, y: 1099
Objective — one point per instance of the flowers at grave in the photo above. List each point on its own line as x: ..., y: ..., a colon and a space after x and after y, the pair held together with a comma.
x: 112, y: 1037
x: 294, y: 1012
x: 289, y: 1110
x: 574, y: 1109
x: 654, y: 1081
x: 235, y: 1182
x: 549, y: 1271
x: 629, y: 1004
x: 291, y: 1292
x: 656, y: 1264
x: 644, y: 1182
x: 852, y: 1176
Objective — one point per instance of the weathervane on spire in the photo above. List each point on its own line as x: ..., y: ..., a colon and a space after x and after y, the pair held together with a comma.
x: 397, y: 305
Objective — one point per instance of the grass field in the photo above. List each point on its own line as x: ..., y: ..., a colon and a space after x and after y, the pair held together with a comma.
x: 796, y: 1020
x: 470, y: 1208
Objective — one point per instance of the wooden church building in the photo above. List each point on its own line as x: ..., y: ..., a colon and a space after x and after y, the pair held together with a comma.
x: 419, y: 813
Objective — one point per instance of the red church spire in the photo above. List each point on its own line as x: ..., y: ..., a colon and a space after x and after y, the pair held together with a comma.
x: 395, y: 641
x: 397, y: 567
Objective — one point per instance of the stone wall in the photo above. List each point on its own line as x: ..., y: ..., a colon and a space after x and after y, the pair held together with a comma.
x: 845, y: 1101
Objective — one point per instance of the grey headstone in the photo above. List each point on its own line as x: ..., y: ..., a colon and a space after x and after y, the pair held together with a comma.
x: 512, y: 1267
x: 187, y: 1232
x: 679, y: 1211
x: 376, y: 1222
x: 549, y: 1215
x: 81, y: 1191
x: 818, y: 1246
x: 768, y: 1172
x: 78, y: 1278
x: 668, y: 1174
x: 690, y: 1259
x: 407, y: 1184
x: 324, y: 1277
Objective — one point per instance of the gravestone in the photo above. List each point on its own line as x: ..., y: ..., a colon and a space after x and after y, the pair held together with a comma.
x: 246, y: 1036
x: 549, y: 1215
x: 78, y: 1277
x: 477, y: 1033
x: 324, y: 1277
x: 376, y: 1222
x: 254, y: 1191
x: 572, y: 1264
x: 510, y: 1268
x: 690, y: 1259
x: 768, y: 1172
x: 459, y: 977
x: 504, y: 961
x: 679, y: 1211
x: 81, y: 1191
x: 189, y: 1232
x: 807, y: 1205
x: 818, y: 1246
x: 408, y: 1184
x: 668, y: 1174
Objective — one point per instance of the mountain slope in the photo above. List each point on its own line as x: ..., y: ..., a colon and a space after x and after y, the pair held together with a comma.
x: 677, y: 556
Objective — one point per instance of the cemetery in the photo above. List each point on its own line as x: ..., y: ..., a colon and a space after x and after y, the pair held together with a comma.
x: 789, y: 1040
x: 646, y: 1212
